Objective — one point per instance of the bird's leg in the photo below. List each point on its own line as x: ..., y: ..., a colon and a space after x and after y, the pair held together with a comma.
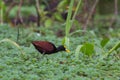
x: 38, y: 56
x: 42, y: 55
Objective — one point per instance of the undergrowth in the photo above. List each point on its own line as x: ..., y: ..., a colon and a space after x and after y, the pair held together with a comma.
x: 19, y: 60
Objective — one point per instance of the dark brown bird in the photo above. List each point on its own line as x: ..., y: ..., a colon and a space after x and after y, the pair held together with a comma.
x: 45, y: 47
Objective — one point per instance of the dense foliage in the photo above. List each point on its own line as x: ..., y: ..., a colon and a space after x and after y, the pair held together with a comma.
x: 25, y: 63
x: 92, y: 37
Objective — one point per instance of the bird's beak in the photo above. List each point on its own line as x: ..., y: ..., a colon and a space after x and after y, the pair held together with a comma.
x: 67, y: 50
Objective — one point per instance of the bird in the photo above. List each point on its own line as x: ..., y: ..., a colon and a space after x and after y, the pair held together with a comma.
x: 46, y: 47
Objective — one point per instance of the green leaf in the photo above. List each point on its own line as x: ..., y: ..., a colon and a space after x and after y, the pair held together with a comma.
x: 66, y: 42
x: 68, y: 21
x: 58, y: 16
x: 48, y: 23
x: 12, y: 43
x: 104, y: 42
x: 114, y: 48
x: 77, y: 51
x: 111, y: 50
x: 87, y: 49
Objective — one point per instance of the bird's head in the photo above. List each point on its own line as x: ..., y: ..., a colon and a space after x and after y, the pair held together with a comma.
x: 62, y: 48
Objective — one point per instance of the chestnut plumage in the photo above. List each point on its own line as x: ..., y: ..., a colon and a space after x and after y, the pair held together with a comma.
x: 45, y: 47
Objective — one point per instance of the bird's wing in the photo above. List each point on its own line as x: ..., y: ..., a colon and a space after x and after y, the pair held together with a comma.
x: 46, y: 46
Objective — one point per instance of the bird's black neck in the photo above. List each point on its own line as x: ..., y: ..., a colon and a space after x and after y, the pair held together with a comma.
x: 60, y: 48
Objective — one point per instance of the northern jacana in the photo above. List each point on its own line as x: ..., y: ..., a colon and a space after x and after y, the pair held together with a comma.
x: 45, y: 47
